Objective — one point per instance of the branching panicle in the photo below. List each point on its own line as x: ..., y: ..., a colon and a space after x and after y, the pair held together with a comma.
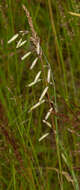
x: 47, y: 76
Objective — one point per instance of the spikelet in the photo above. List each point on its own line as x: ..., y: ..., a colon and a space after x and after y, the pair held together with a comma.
x: 48, y: 113
x: 74, y: 14
x: 47, y: 123
x: 13, y: 38
x: 44, y: 136
x: 49, y: 75
x: 36, y: 79
x: 37, y: 76
x: 36, y: 105
x: 26, y: 55
x: 33, y: 83
x: 38, y: 48
x: 43, y: 94
x: 33, y: 63
x: 20, y: 43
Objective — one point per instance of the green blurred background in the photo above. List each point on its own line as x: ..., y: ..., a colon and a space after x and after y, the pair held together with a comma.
x: 24, y: 162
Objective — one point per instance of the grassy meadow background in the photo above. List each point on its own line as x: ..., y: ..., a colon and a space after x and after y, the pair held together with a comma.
x: 26, y: 163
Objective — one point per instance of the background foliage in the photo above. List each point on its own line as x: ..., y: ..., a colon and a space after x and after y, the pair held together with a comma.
x: 26, y: 163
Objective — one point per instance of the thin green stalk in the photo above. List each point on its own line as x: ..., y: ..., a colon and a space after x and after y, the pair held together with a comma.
x: 55, y: 126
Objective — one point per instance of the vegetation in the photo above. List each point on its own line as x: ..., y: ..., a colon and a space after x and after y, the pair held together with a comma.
x: 39, y: 95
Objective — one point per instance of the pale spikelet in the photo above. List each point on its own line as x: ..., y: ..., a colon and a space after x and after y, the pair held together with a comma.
x: 38, y: 48
x: 23, y: 32
x: 33, y: 83
x: 21, y: 43
x: 35, y: 80
x: 36, y: 105
x: 25, y: 56
x: 34, y: 63
x: 13, y: 38
x: 47, y: 123
x: 43, y: 94
x: 48, y: 113
x: 44, y: 136
x: 74, y: 14
x: 37, y: 76
x: 49, y: 75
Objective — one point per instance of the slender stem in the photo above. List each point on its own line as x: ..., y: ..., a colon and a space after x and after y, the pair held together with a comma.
x: 54, y: 125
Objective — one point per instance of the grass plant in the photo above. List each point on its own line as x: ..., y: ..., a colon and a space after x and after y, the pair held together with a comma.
x: 39, y: 95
